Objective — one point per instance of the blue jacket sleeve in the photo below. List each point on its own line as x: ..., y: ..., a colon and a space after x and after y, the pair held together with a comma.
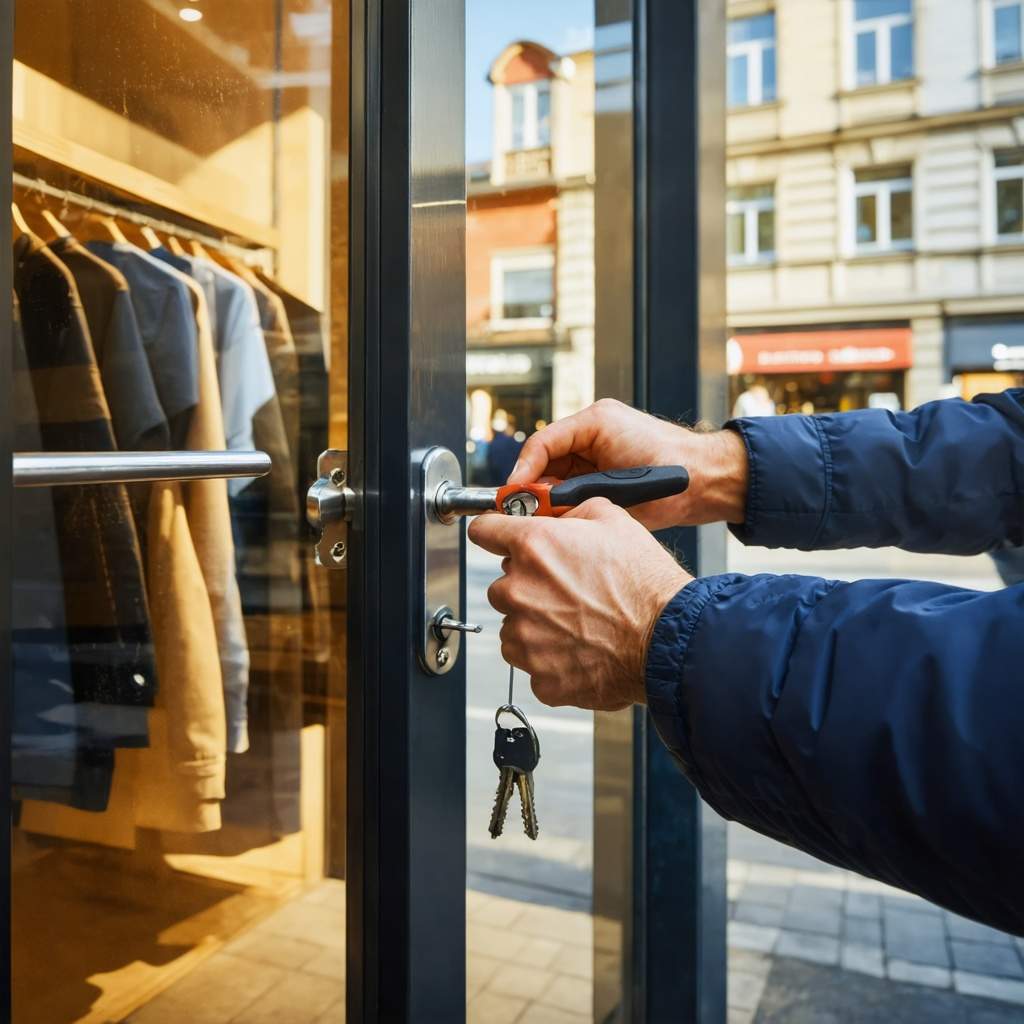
x: 948, y: 476
x: 878, y: 725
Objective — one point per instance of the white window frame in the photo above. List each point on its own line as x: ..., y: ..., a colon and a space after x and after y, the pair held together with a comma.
x: 882, y: 189
x: 1014, y: 172
x: 530, y: 91
x: 882, y: 28
x: 519, y: 259
x: 995, y: 6
x: 750, y: 208
x: 753, y: 50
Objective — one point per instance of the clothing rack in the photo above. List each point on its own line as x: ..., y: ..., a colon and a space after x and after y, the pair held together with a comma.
x: 239, y: 252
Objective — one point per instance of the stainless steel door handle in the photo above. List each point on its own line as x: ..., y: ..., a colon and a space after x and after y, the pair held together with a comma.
x: 57, y: 469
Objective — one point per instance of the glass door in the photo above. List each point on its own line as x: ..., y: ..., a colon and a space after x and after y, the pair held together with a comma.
x: 177, y: 697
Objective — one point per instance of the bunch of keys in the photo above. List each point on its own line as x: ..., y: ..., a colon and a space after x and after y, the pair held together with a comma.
x: 516, y: 754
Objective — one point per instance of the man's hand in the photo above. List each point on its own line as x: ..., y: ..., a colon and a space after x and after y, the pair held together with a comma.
x: 610, y: 435
x: 580, y: 595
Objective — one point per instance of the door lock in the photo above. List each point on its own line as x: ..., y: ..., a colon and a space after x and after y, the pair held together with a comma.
x: 330, y: 505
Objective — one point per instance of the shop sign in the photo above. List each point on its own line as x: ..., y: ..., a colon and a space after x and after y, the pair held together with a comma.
x: 976, y: 344
x: 881, y: 348
x: 497, y: 367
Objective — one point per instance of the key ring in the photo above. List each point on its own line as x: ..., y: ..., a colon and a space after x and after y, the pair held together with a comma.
x: 512, y: 710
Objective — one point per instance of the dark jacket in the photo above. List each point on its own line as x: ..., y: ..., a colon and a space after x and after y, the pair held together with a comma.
x: 878, y: 725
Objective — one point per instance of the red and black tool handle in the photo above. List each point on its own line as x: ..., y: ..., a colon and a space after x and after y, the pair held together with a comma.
x: 622, y: 487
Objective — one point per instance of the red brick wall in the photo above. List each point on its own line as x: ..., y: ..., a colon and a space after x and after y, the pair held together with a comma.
x: 516, y: 221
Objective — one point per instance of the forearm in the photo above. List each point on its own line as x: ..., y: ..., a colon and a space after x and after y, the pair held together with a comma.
x: 875, y: 725
x: 946, y: 477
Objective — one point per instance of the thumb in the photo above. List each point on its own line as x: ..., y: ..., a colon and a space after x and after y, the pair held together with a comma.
x: 598, y: 509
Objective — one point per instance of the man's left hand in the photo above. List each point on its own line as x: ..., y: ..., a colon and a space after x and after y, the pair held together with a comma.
x: 580, y: 595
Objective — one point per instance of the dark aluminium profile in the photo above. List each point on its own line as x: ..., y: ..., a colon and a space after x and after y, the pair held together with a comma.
x: 660, y: 853
x: 6, y: 497
x: 406, y: 860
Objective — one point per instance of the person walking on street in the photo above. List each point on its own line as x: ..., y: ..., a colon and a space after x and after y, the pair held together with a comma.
x: 879, y: 724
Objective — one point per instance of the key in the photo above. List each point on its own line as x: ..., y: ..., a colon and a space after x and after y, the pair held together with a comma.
x: 506, y: 783
x: 516, y: 751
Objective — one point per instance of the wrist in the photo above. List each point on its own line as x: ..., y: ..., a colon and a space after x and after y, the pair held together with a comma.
x: 662, y: 590
x: 724, y: 478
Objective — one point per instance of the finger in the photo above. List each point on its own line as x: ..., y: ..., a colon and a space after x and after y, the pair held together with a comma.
x: 596, y: 508
x: 499, y: 595
x: 555, y: 442
x: 506, y: 563
x: 493, y: 532
x: 548, y: 690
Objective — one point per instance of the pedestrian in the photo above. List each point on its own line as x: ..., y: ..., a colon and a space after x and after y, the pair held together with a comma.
x: 879, y: 724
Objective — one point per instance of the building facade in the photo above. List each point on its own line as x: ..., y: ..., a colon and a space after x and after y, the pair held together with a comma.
x: 875, y: 217
x: 530, y: 249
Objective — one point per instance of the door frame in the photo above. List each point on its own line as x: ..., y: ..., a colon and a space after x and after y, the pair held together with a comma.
x: 660, y: 852
x: 406, y: 844
x: 6, y: 500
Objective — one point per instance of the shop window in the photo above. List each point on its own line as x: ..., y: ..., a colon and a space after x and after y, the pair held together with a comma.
x: 1008, y: 30
x: 750, y: 224
x: 883, y: 209
x: 1009, y: 179
x: 751, y: 55
x: 523, y: 289
x: 883, y: 41
x: 530, y: 121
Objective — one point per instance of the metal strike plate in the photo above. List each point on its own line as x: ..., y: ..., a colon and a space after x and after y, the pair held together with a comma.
x: 438, y: 648
x: 330, y: 503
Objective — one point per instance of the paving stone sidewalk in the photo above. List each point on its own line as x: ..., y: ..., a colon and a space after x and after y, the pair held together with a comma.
x: 785, y: 904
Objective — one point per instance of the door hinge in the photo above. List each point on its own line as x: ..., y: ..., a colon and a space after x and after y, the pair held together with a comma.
x: 330, y: 504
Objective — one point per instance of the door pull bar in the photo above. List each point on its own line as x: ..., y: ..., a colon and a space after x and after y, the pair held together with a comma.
x: 60, y: 469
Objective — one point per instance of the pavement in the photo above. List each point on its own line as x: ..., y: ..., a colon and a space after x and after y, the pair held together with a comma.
x: 807, y: 941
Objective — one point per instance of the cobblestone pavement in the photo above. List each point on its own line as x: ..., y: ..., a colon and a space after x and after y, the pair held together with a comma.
x: 785, y: 905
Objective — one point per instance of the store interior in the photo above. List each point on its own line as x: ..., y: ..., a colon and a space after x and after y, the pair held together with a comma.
x: 178, y: 702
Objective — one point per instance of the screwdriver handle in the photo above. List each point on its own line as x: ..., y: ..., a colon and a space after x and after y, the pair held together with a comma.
x: 622, y: 487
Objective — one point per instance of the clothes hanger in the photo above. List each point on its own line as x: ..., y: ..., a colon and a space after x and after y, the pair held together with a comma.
x: 175, y: 246
x: 18, y: 222
x: 198, y: 249
x: 51, y: 225
x: 101, y: 227
x: 151, y: 237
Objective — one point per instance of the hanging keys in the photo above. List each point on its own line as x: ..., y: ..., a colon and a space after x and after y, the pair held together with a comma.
x: 516, y: 755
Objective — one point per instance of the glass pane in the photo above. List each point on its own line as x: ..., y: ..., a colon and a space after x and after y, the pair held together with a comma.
x: 518, y: 119
x: 866, y: 219
x: 735, y: 234
x: 751, y: 192
x: 761, y: 26
x: 528, y: 903
x: 174, y: 688
x: 739, y: 95
x: 880, y: 8
x: 768, y: 74
x: 902, y: 52
x: 765, y: 232
x: 1010, y: 207
x: 1010, y: 158
x: 867, y: 73
x: 543, y: 116
x: 528, y: 293
x: 1008, y: 33
x: 901, y: 216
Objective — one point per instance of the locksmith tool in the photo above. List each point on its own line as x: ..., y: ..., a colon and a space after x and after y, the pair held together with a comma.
x: 622, y: 487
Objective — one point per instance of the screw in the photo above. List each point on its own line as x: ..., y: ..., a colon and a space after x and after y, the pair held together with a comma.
x: 442, y: 656
x: 337, y: 476
x: 338, y: 551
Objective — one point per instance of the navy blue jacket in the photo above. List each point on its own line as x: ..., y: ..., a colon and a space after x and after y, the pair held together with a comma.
x: 878, y: 725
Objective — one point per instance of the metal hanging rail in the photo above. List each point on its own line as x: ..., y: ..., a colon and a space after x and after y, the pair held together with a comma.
x: 121, y: 213
x: 48, y: 469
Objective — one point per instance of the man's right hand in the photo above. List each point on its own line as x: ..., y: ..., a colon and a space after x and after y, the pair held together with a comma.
x: 610, y: 435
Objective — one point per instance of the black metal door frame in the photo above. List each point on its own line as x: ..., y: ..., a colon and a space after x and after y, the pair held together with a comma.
x: 6, y: 497
x: 406, y: 848
x: 659, y: 893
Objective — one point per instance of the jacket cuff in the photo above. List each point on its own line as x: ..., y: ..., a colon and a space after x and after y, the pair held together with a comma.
x: 666, y: 656
x: 788, y: 496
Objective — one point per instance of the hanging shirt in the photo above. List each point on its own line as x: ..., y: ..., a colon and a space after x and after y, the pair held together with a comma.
x: 243, y: 367
x: 107, y: 616
x: 45, y: 745
x: 167, y: 325
x: 136, y: 413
